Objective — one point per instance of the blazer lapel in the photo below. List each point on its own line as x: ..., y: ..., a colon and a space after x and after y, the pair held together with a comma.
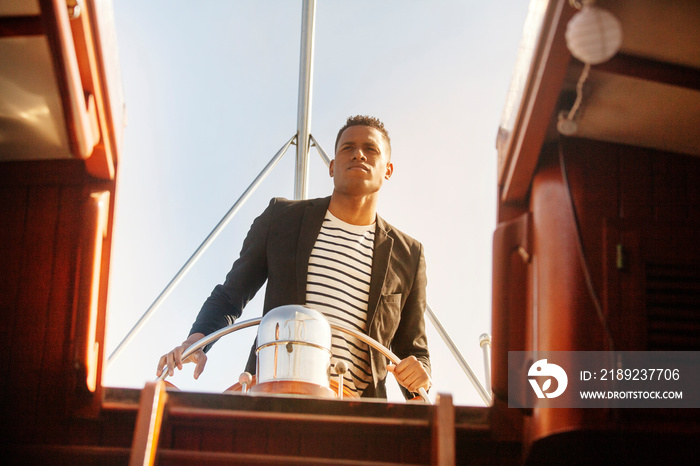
x: 383, y: 244
x: 311, y: 223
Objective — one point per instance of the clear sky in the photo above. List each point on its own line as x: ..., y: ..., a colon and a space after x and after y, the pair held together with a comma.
x: 211, y: 95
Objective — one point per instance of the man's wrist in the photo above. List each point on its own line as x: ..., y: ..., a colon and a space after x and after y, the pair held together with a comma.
x: 195, y: 337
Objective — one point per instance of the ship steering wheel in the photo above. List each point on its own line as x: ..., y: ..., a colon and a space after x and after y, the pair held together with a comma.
x: 212, y: 337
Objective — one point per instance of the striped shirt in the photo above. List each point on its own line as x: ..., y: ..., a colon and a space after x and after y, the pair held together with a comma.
x: 340, y: 267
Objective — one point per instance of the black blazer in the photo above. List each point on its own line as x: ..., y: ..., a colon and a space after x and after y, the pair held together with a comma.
x: 277, y: 250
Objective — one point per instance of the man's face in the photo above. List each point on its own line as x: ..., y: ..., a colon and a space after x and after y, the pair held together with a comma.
x: 362, y: 161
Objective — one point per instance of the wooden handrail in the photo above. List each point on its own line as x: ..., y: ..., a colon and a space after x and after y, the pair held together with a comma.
x: 148, y: 422
x: 443, y: 432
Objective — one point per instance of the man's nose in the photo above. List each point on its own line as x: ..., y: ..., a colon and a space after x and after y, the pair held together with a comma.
x: 359, y: 155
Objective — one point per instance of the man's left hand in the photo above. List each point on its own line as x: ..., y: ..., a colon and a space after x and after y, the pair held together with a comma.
x: 411, y: 374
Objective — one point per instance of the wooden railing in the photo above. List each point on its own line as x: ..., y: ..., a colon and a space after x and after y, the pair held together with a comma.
x: 148, y: 423
x: 415, y: 433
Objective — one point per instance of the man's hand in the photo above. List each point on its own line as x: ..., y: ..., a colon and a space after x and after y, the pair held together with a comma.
x: 174, y: 358
x: 411, y: 374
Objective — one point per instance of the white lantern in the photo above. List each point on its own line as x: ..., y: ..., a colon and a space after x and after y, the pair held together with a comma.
x: 593, y: 35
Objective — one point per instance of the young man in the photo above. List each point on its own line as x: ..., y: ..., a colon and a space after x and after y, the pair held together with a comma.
x: 338, y: 256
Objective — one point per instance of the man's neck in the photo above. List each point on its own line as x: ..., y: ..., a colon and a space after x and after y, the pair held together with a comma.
x: 355, y: 210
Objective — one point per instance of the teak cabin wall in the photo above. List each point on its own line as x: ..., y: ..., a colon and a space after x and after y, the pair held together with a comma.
x: 47, y: 268
x: 638, y: 214
x: 639, y: 204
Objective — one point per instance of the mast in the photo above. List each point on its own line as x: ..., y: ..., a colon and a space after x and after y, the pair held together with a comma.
x: 306, y: 62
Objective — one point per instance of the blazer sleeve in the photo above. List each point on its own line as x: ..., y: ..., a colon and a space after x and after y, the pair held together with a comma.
x: 410, y: 338
x: 246, y: 277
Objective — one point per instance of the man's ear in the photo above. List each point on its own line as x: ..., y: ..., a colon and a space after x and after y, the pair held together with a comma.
x: 330, y: 168
x: 389, y: 170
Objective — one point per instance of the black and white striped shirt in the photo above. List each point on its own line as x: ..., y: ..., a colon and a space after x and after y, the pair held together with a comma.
x: 340, y: 267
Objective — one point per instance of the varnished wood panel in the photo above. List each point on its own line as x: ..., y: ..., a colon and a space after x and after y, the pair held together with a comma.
x: 299, y: 436
x: 53, y: 383
x: 670, y: 188
x: 593, y: 174
x: 41, y: 213
x: 32, y: 304
x: 693, y: 185
x: 633, y: 204
x: 613, y: 184
x: 635, y: 184
x: 13, y: 211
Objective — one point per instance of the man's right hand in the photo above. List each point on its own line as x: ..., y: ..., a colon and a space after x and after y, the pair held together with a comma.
x: 174, y: 358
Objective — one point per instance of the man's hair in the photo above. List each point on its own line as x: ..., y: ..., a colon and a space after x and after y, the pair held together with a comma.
x: 364, y: 120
